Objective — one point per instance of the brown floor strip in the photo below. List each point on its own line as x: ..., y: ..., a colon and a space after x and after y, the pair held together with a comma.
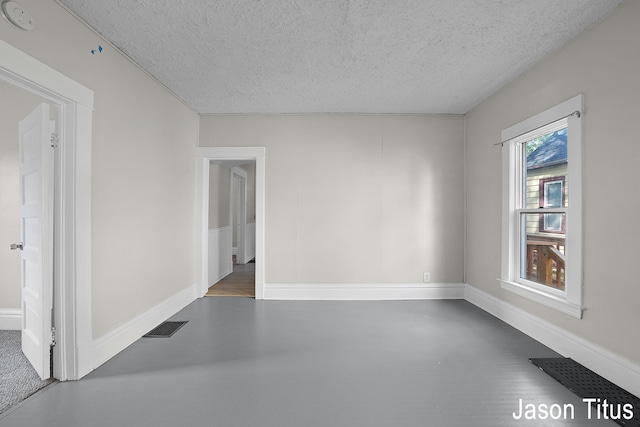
x: 240, y: 283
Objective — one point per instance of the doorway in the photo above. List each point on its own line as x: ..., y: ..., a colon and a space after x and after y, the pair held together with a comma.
x: 23, y: 374
x: 73, y: 103
x: 232, y: 202
x: 238, y: 154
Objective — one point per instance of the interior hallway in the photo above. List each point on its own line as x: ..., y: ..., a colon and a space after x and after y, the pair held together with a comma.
x: 242, y: 362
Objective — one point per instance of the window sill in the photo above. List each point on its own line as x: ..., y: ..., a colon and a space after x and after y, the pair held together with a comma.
x: 555, y: 302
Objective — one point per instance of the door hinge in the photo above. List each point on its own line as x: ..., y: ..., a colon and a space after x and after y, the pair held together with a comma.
x: 53, y: 336
x: 54, y: 140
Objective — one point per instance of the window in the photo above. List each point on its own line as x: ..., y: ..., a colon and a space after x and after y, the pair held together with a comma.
x: 541, y: 236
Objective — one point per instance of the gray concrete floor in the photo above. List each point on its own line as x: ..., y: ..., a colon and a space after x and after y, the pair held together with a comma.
x: 242, y: 362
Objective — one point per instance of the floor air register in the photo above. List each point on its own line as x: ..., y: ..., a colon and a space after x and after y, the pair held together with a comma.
x: 589, y: 385
x: 165, y: 329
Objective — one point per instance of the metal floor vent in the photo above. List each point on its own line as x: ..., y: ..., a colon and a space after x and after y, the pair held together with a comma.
x: 587, y: 384
x: 165, y: 330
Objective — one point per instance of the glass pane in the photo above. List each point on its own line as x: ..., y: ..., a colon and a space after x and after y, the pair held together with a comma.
x: 552, y: 194
x: 542, y: 254
x: 545, y: 171
x: 552, y: 223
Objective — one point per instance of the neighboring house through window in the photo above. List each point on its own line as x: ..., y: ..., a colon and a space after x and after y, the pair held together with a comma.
x: 542, y: 241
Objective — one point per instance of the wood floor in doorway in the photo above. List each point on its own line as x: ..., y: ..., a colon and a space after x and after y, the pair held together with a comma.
x: 240, y: 283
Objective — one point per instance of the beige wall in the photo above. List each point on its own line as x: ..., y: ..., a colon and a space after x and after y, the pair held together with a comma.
x: 356, y: 199
x: 251, y: 192
x: 143, y: 173
x: 219, y: 196
x: 604, y: 64
x: 15, y: 104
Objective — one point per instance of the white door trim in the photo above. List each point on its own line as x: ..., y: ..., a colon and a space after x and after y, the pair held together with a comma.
x: 241, y: 212
x: 205, y: 155
x: 73, y: 354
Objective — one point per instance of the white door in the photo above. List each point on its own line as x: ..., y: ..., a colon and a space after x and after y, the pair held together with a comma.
x: 36, y: 214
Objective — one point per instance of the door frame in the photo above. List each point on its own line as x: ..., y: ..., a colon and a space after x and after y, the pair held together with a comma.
x: 73, y: 354
x: 204, y: 156
x: 241, y: 212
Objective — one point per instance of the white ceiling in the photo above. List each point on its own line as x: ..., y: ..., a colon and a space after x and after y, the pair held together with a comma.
x: 337, y: 56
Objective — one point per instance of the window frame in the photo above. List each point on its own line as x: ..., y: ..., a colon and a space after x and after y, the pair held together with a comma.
x: 568, y: 301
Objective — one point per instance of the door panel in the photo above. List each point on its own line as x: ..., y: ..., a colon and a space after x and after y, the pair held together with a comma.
x: 36, y: 220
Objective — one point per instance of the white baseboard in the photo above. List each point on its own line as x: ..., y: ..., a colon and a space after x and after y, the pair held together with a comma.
x: 106, y: 347
x: 363, y: 291
x: 616, y: 369
x: 10, y: 319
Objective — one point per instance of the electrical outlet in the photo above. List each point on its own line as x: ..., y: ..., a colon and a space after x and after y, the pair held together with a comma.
x: 426, y: 277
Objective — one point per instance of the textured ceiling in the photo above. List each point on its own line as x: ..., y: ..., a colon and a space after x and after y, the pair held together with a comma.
x: 337, y: 56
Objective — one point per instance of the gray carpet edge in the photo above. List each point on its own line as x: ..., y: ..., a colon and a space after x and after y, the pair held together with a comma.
x: 18, y: 379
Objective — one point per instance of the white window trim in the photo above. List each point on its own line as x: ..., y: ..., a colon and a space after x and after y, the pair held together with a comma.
x: 569, y: 301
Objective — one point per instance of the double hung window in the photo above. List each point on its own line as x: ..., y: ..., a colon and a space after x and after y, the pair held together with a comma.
x: 541, y: 235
